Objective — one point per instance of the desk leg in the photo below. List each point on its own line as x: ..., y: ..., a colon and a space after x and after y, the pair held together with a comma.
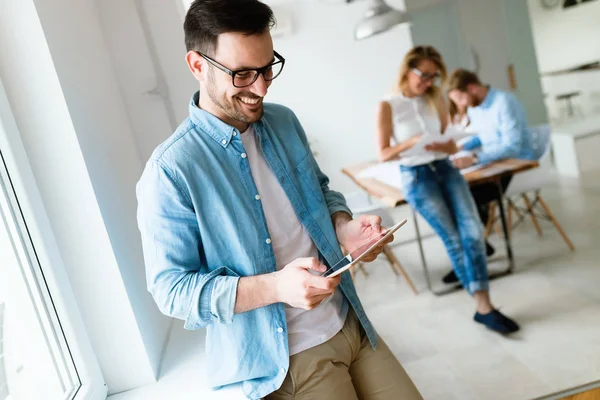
x: 420, y: 242
x: 511, y: 261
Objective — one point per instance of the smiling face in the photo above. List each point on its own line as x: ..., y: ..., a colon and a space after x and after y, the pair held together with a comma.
x: 235, y: 106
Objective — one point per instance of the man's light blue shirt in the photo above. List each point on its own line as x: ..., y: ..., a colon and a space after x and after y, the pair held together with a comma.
x: 203, y: 227
x: 500, y: 124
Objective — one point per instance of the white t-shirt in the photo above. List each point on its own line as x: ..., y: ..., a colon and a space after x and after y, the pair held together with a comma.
x: 412, y: 116
x: 290, y: 241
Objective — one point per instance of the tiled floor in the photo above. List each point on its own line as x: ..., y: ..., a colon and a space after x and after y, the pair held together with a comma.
x: 553, y: 294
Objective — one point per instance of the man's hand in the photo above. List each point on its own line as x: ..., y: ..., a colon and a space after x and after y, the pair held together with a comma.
x: 448, y: 147
x: 463, y: 162
x: 296, y: 286
x: 354, y: 233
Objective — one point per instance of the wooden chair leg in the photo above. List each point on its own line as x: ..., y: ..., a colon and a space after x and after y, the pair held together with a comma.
x: 498, y: 227
x: 555, y: 222
x: 491, y: 218
x: 394, y: 261
x: 515, y: 209
x: 509, y: 219
x: 391, y: 263
x: 532, y: 214
x: 362, y: 268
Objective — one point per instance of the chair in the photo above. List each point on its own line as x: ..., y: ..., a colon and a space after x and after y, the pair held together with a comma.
x: 361, y: 203
x: 533, y: 181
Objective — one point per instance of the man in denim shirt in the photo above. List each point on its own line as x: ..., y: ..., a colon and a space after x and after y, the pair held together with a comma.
x: 500, y: 124
x: 235, y: 213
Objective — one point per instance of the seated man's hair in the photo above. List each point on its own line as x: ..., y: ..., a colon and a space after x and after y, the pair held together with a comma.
x: 461, y: 78
x: 207, y: 19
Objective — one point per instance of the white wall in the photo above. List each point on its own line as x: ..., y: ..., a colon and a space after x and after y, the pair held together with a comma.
x: 566, y: 39
x: 484, y: 30
x: 79, y: 138
x: 334, y: 83
x: 521, y: 54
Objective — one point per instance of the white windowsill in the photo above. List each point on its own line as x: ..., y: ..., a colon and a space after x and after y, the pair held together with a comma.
x: 182, y: 373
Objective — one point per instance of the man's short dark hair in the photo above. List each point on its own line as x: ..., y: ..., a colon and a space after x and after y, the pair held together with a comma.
x: 207, y: 19
x: 460, y: 79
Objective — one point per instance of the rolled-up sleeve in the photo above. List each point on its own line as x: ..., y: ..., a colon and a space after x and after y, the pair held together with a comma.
x: 181, y: 286
x: 472, y: 143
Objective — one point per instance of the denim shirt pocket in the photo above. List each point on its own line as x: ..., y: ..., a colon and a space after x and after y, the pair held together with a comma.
x: 307, y: 179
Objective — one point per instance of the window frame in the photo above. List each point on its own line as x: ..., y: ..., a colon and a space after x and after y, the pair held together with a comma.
x: 45, y: 275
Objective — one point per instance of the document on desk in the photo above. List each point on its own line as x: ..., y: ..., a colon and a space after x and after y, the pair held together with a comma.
x: 386, y: 172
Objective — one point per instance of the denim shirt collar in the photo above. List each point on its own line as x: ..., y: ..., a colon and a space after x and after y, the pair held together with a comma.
x: 221, y: 132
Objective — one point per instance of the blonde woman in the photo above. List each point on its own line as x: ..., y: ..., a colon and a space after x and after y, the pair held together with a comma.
x: 431, y: 184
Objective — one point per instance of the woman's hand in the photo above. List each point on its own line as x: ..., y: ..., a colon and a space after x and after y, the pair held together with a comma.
x: 412, y: 141
x: 448, y: 147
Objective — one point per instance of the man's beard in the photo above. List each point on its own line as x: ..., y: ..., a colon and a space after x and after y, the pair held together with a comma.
x: 475, y: 102
x: 228, y: 106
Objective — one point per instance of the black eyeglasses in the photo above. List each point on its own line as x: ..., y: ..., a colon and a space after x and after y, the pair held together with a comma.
x: 246, y: 77
x: 426, y: 77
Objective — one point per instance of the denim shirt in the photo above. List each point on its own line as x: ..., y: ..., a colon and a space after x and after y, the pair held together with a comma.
x: 501, y: 126
x: 203, y: 227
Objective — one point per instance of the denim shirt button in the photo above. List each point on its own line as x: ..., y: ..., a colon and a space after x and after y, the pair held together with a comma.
x: 268, y: 241
x: 224, y: 141
x: 280, y: 330
x: 282, y: 370
x: 244, y: 155
x: 257, y: 197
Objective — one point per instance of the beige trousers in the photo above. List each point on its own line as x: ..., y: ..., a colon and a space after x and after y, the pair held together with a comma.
x: 347, y: 368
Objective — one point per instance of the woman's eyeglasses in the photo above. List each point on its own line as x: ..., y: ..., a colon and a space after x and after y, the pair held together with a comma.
x: 426, y: 77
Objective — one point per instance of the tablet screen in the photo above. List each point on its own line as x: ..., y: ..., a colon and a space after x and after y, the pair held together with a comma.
x: 356, y: 254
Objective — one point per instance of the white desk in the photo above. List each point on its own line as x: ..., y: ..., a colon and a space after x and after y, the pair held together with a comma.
x: 576, y: 146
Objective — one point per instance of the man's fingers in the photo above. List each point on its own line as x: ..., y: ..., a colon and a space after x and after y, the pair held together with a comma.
x: 310, y: 263
x: 323, y: 283
x: 375, y: 252
x: 314, y: 302
x: 371, y: 220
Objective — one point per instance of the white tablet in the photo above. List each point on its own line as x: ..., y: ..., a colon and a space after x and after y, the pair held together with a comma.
x: 358, y: 254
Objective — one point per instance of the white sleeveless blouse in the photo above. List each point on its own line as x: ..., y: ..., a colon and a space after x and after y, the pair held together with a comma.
x: 412, y: 116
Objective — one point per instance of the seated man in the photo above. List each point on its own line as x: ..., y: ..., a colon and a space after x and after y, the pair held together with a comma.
x: 500, y: 123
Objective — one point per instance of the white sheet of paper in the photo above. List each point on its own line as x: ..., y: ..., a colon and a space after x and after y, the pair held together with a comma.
x: 419, y: 147
x: 386, y: 172
x: 472, y: 168
x: 457, y: 133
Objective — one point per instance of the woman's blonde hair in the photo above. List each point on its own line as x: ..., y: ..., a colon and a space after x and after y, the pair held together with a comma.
x: 411, y: 60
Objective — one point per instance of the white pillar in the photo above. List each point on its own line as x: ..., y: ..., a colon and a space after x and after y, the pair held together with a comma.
x: 62, y: 85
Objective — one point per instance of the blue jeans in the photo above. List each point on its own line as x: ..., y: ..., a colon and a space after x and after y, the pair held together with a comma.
x: 440, y: 194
